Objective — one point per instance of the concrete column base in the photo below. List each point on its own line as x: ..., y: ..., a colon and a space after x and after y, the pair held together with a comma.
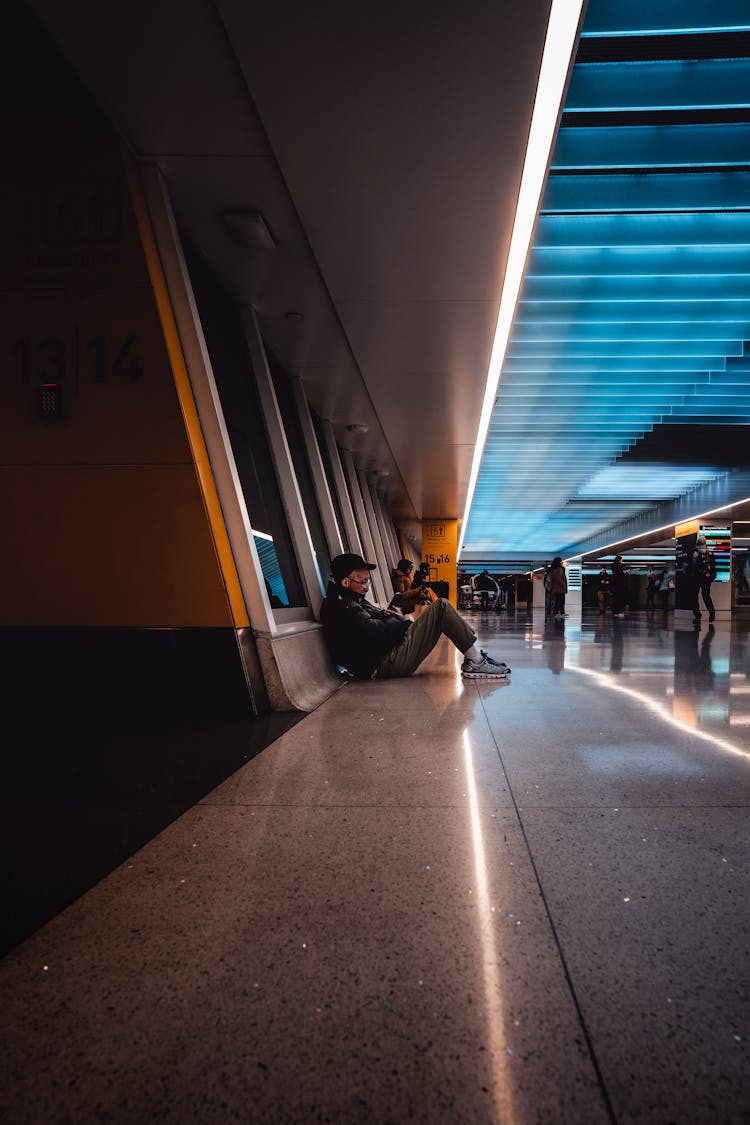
x: 297, y: 667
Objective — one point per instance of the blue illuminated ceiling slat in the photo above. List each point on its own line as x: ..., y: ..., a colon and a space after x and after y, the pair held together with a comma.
x: 625, y: 87
x: 631, y: 311
x: 685, y: 365
x: 671, y: 192
x: 588, y: 401
x: 693, y: 290
x: 652, y: 146
x: 726, y: 335
x: 603, y: 349
x: 634, y: 315
x: 666, y: 261
x: 644, y: 17
x: 593, y: 394
x: 648, y: 231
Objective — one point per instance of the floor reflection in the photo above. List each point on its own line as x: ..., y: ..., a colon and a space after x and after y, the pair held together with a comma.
x: 700, y: 678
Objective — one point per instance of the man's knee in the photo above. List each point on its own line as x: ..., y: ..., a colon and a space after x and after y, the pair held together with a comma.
x: 436, y: 608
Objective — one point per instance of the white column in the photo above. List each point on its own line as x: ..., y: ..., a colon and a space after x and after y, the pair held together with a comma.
x: 381, y: 555
x: 574, y: 596
x: 207, y: 402
x: 378, y: 585
x: 539, y: 593
x: 282, y: 459
x: 342, y: 492
x: 386, y: 523
x: 319, y: 479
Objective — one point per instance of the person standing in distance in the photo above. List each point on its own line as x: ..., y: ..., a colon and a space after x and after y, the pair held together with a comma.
x: 618, y: 587
x: 704, y: 573
x: 558, y: 588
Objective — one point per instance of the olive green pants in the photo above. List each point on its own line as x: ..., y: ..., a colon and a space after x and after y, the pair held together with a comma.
x: 439, y: 619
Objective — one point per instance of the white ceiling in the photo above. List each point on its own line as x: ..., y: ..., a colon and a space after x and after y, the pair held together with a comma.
x: 384, y: 147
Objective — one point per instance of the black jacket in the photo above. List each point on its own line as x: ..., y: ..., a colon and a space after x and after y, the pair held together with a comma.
x: 704, y: 567
x: 358, y: 633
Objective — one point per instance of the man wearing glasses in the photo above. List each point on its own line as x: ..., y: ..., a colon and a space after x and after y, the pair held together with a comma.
x: 378, y: 643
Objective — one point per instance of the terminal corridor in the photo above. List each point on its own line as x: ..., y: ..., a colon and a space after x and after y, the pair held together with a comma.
x: 430, y: 901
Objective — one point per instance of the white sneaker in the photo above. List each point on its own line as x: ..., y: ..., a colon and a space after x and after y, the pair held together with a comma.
x: 484, y: 669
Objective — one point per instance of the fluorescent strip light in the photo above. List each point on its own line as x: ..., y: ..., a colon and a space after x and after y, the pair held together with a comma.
x: 562, y: 36
x: 725, y: 509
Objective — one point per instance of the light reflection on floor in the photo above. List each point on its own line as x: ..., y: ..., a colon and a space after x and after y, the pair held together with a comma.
x: 701, y: 677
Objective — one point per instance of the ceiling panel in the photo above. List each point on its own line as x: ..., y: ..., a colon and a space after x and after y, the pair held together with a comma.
x: 401, y: 136
x: 635, y: 307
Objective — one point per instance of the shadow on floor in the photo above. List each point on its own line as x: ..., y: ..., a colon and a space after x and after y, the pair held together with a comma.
x: 77, y: 797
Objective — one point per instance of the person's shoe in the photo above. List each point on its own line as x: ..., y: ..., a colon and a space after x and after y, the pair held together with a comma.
x: 484, y: 669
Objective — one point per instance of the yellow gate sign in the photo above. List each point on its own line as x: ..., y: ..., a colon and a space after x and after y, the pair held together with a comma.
x: 439, y: 550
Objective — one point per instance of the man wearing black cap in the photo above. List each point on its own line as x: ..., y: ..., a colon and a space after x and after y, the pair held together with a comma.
x: 371, y: 642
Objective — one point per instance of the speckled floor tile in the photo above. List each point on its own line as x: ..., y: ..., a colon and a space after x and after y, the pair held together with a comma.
x: 371, y: 966
x: 429, y: 902
x: 651, y: 909
x: 356, y: 750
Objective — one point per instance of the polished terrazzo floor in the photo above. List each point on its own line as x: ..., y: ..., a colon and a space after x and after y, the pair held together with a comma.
x: 430, y: 902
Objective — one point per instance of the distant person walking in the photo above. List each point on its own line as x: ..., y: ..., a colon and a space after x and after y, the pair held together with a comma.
x: 704, y: 573
x: 602, y: 589
x: 558, y: 588
x: 618, y: 587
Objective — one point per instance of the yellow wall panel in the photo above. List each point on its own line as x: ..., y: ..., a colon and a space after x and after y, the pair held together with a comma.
x: 107, y: 546
x: 118, y: 394
x: 104, y: 509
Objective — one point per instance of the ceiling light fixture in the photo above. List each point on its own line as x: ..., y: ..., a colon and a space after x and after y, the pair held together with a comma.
x: 725, y: 511
x: 357, y: 428
x: 562, y: 36
x: 249, y: 228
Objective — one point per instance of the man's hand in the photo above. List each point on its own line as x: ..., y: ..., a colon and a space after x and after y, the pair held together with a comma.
x: 395, y: 611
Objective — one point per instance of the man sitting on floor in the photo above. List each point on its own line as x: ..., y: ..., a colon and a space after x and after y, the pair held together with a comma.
x: 371, y: 642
